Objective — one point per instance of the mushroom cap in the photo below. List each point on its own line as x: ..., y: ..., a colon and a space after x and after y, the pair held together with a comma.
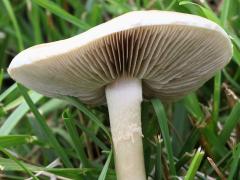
x: 172, y: 53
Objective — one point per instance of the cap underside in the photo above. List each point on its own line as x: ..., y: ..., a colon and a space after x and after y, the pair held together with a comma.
x: 171, y: 60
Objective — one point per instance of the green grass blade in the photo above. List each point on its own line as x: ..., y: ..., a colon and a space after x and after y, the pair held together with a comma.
x: 231, y: 80
x: 206, y: 10
x: 14, y: 140
x: 230, y: 123
x: 235, y: 39
x: 181, y: 124
x: 88, y: 113
x: 52, y: 140
x: 235, y: 163
x: 193, y: 106
x: 171, y: 5
x: 224, y: 12
x: 19, y: 163
x: 216, y: 99
x: 194, y: 165
x: 8, y: 6
x: 72, y: 173
x: 18, y: 101
x: 5, y: 176
x: 55, y: 9
x: 103, y: 174
x: 236, y: 54
x: 8, y: 92
x: 1, y: 78
x: 10, y: 165
x: 78, y: 146
x: 33, y: 13
x: 163, y: 123
x: 93, y: 136
x: 158, y: 163
x: 13, y: 104
x: 190, y: 142
x: 52, y: 105
x: 218, y: 147
x: 17, y: 115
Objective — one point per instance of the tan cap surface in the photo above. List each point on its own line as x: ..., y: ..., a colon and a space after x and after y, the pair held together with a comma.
x: 173, y: 53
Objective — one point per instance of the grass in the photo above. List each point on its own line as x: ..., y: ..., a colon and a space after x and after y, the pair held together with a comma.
x: 196, y: 161
x: 36, y: 131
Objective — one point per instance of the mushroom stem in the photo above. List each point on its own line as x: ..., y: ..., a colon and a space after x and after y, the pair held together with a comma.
x: 124, y: 99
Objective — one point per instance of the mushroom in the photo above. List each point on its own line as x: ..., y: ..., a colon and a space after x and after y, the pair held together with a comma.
x: 139, y: 54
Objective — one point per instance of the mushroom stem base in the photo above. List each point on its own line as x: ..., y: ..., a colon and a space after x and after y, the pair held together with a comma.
x: 124, y: 99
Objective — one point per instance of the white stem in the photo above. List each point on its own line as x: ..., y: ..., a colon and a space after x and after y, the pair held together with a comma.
x: 124, y: 99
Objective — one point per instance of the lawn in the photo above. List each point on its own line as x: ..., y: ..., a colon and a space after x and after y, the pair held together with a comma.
x: 195, y: 137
